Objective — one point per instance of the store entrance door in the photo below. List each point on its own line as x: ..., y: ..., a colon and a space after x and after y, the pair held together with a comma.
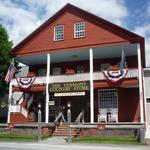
x: 77, y: 106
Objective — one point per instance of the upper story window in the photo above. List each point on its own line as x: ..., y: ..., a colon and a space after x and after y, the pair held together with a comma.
x: 58, y: 32
x: 56, y: 71
x: 79, y: 29
x: 80, y: 69
x: 105, y: 66
x: 42, y: 72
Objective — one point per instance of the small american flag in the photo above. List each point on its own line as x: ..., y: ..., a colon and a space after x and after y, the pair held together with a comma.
x: 10, y: 73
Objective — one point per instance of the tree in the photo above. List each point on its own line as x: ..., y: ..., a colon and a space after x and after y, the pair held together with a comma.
x: 5, y: 47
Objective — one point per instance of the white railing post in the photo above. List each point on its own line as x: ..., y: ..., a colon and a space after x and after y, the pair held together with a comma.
x: 29, y: 102
x: 24, y: 112
x: 140, y: 83
x: 9, y: 101
x: 47, y: 92
x: 91, y: 88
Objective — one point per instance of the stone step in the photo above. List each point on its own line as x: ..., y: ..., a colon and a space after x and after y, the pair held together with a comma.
x: 74, y: 130
x: 65, y: 129
x: 62, y: 130
x: 65, y: 134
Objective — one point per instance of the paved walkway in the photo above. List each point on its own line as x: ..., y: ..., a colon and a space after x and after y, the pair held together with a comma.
x: 55, y: 140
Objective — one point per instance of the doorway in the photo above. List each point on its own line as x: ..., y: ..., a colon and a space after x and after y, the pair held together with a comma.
x: 77, y: 106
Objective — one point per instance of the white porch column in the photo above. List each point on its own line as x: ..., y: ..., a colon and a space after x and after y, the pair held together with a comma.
x: 9, y: 101
x: 91, y: 88
x: 47, y: 92
x: 140, y: 83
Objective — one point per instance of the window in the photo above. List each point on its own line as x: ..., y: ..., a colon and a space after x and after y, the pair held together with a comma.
x: 58, y: 32
x: 80, y: 69
x: 56, y: 71
x: 42, y: 72
x: 107, y: 99
x: 54, y: 109
x: 79, y: 30
x: 105, y: 66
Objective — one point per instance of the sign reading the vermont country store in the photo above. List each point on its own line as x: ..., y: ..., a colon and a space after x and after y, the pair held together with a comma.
x: 69, y: 87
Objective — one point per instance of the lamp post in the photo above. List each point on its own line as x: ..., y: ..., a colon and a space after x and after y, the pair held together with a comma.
x: 39, y: 122
x: 69, y: 121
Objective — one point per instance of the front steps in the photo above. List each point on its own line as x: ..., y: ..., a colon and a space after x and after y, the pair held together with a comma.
x: 62, y: 130
x: 18, y: 118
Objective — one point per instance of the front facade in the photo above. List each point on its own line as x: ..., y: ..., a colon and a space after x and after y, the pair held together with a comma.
x: 147, y: 100
x: 75, y: 59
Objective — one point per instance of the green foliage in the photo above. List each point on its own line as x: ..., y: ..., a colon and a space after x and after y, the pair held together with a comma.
x: 5, y: 47
x: 110, y: 140
x: 18, y: 137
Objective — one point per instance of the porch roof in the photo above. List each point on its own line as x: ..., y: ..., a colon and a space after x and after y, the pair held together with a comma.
x: 80, y: 54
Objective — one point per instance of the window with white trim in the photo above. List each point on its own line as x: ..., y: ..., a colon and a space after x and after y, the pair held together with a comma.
x: 79, y: 29
x: 58, y: 32
x: 107, y: 98
x: 80, y: 69
x: 56, y: 71
x: 105, y: 66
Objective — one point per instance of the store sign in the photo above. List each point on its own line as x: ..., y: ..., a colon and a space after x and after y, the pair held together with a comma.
x: 148, y: 100
x: 70, y: 94
x: 51, y: 103
x: 69, y: 87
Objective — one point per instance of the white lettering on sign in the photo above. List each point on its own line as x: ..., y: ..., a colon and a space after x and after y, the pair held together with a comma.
x: 51, y: 103
x: 70, y: 94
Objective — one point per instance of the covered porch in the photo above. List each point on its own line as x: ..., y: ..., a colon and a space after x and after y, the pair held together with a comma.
x: 93, y: 75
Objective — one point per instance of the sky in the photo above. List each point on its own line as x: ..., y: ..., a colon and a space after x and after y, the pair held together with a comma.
x: 21, y: 17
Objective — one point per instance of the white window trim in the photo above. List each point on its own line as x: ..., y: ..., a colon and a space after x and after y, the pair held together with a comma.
x: 80, y: 30
x: 55, y: 33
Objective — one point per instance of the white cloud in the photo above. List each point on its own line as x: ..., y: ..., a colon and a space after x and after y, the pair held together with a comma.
x: 114, y: 10
x: 18, y: 21
x: 148, y: 9
x: 21, y: 19
x: 144, y: 31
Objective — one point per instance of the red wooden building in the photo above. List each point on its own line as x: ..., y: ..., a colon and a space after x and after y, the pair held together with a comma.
x: 75, y: 58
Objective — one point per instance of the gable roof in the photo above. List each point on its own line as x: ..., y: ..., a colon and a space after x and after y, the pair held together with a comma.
x: 132, y: 37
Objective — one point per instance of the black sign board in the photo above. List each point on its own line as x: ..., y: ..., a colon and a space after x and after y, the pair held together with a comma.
x: 148, y: 100
x: 69, y: 87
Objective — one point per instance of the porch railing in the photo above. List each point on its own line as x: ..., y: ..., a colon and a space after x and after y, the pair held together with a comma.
x: 15, y: 108
x: 80, y: 118
x: 132, y: 73
x: 24, y: 111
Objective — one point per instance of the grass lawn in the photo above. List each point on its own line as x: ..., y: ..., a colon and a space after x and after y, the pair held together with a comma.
x: 111, y: 140
x: 18, y: 137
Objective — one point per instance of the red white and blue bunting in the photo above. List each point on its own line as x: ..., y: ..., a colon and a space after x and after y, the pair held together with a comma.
x: 115, y: 76
x: 25, y: 82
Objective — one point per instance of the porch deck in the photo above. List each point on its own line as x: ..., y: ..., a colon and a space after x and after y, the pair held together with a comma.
x: 129, y: 129
x: 119, y: 125
x: 131, y: 125
x: 82, y: 125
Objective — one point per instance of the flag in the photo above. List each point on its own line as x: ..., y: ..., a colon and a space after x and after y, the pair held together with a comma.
x: 122, y: 63
x: 10, y: 73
